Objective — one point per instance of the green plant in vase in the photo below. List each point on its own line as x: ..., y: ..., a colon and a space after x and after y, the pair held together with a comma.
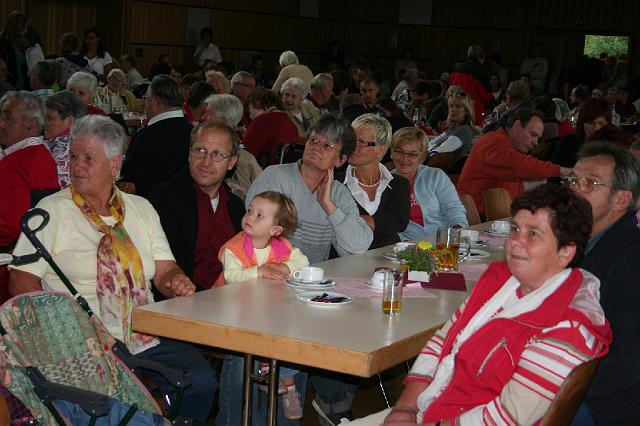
x: 421, y: 260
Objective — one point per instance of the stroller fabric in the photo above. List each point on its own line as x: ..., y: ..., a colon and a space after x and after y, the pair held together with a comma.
x: 50, y: 331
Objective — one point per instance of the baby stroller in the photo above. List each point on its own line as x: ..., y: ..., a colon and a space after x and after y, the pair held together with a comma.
x: 59, y: 362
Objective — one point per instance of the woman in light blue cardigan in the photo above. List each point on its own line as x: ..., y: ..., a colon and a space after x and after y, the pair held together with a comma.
x: 433, y: 198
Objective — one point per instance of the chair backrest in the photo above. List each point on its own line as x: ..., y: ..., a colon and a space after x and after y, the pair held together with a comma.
x: 442, y: 161
x: 497, y: 203
x: 287, y: 150
x: 473, y: 217
x: 568, y: 399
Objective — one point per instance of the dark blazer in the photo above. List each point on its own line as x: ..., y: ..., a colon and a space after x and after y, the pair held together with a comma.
x: 157, y: 153
x: 175, y: 202
x: 615, y: 385
x: 392, y: 215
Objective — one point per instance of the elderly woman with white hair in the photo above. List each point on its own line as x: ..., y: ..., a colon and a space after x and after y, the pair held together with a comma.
x: 111, y: 245
x: 225, y: 108
x: 382, y: 197
x: 229, y: 110
x: 304, y: 114
x: 291, y: 67
x: 114, y: 98
x: 85, y: 85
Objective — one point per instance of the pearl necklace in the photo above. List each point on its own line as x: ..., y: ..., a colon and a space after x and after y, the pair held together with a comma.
x: 368, y: 185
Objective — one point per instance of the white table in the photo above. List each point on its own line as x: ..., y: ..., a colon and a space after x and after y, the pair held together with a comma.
x: 262, y: 317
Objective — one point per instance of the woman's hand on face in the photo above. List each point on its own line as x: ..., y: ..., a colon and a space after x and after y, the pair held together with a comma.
x: 181, y: 285
x: 323, y: 193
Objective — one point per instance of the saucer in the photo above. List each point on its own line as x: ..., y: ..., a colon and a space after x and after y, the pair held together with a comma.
x: 477, y: 254
x: 390, y: 255
x: 497, y: 233
x: 480, y: 243
x: 371, y: 286
x: 307, y: 297
x: 310, y: 285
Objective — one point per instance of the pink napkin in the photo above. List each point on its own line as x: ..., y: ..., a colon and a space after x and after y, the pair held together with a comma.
x: 357, y: 288
x: 473, y: 271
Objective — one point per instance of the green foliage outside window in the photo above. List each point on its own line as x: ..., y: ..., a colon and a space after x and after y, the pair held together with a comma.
x: 594, y: 45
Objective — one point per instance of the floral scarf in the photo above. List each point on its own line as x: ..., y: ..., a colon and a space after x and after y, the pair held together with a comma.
x: 120, y: 282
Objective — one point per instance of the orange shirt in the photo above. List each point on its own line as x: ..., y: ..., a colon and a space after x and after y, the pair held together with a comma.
x: 494, y: 163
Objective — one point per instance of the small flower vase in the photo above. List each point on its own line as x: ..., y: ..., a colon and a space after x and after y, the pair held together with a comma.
x: 418, y: 276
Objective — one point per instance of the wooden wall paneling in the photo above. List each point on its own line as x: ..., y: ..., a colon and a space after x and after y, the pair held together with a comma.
x: 372, y: 11
x: 549, y: 14
x: 158, y: 23
x: 53, y: 18
x: 8, y: 6
x: 333, y: 9
x: 471, y: 13
x: 241, y: 29
x: 110, y: 20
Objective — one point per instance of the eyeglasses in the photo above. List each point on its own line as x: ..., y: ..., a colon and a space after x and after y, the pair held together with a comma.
x: 324, y: 145
x: 248, y: 86
x: 364, y: 144
x: 200, y: 153
x: 411, y: 155
x: 584, y: 184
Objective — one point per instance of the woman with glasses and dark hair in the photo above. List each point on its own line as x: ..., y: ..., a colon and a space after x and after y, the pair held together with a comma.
x: 328, y: 217
x: 382, y: 198
x: 433, y: 200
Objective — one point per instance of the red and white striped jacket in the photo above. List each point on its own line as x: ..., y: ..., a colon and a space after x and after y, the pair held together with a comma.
x: 509, y: 370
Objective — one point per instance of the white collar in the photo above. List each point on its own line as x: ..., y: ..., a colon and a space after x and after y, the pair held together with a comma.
x: 165, y: 115
x: 36, y: 140
x: 385, y: 175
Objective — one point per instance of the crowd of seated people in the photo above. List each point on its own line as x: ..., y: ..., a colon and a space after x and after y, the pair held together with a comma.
x: 359, y: 178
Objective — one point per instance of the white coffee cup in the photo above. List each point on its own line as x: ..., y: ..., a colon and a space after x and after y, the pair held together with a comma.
x: 309, y: 273
x: 503, y: 226
x: 471, y: 234
x: 377, y: 280
x: 402, y: 245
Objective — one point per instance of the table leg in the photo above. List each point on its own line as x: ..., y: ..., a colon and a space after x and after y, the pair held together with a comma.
x: 272, y: 410
x: 247, y: 390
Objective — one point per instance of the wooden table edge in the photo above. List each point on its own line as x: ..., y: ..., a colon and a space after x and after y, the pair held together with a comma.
x: 286, y: 349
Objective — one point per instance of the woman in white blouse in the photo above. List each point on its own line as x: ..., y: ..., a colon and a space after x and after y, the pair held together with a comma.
x: 382, y: 197
x: 99, y: 60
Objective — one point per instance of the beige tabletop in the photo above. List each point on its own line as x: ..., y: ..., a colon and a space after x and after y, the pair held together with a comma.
x: 263, y: 317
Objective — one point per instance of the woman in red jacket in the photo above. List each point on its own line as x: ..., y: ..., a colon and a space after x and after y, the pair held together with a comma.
x: 505, y: 352
x: 269, y: 126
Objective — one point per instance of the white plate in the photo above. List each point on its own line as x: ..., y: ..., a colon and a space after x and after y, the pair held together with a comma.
x: 497, y: 233
x: 390, y: 255
x: 477, y: 254
x: 308, y: 295
x: 305, y: 285
x: 371, y: 286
